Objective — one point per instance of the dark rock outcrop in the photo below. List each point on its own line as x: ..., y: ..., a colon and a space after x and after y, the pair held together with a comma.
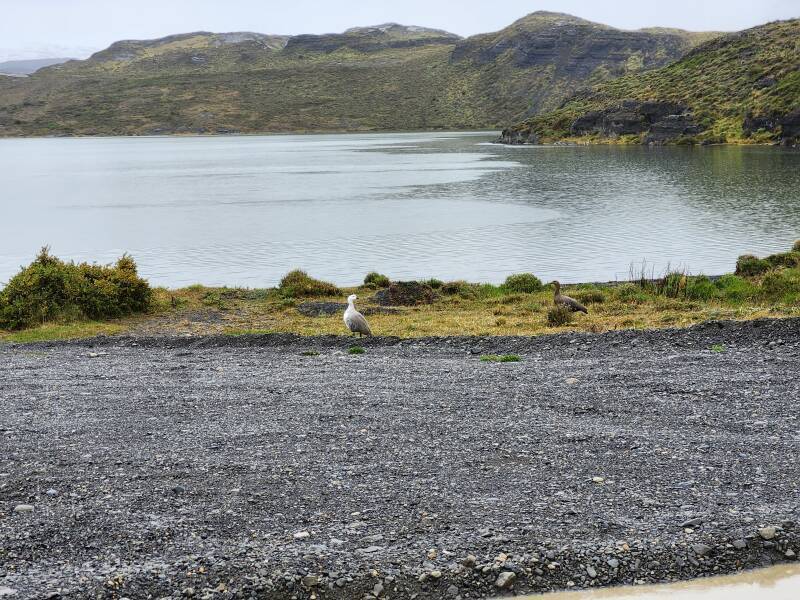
x: 660, y: 121
x: 753, y: 123
x: 517, y: 137
x: 790, y: 128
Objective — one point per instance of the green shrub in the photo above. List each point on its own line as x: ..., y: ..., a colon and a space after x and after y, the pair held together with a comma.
x: 630, y: 292
x: 779, y: 284
x: 458, y: 288
x: 50, y: 289
x: 749, y: 266
x: 297, y: 284
x: 590, y: 296
x: 377, y: 280
x: 433, y: 283
x: 735, y: 289
x: 796, y: 246
x: 784, y: 259
x: 523, y: 283
x: 356, y: 350
x: 558, y: 316
x: 700, y: 288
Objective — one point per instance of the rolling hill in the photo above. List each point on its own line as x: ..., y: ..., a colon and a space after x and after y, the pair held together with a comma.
x: 742, y: 87
x: 387, y: 77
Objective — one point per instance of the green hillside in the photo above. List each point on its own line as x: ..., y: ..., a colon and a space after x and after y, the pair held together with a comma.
x: 387, y: 77
x: 738, y: 88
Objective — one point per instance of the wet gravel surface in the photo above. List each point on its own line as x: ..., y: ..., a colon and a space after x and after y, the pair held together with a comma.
x: 236, y: 467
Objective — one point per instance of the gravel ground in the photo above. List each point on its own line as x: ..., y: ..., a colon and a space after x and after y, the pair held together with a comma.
x: 225, y: 467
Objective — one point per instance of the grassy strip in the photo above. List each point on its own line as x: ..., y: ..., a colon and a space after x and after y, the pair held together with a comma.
x: 460, y: 308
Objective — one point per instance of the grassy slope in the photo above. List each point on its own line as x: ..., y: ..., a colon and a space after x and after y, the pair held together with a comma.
x: 359, y: 80
x: 717, y: 80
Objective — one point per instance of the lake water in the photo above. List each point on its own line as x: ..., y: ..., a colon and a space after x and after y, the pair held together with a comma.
x: 774, y: 583
x: 245, y: 210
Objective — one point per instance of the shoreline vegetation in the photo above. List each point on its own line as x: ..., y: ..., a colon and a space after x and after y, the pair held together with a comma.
x: 53, y: 300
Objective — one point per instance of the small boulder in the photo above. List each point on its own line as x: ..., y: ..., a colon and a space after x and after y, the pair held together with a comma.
x: 23, y: 508
x: 767, y: 533
x: 505, y: 580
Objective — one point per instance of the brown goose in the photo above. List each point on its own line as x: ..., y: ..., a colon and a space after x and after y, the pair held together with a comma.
x: 560, y: 300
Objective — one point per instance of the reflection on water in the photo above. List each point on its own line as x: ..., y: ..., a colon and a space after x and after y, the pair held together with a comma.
x: 244, y: 210
x: 776, y: 583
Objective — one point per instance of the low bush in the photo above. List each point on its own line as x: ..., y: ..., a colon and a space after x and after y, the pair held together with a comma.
x: 558, y: 316
x: 700, y: 288
x: 590, y: 296
x: 523, y: 283
x: 376, y: 280
x: 748, y: 265
x: 784, y: 259
x: 298, y: 284
x: 777, y: 285
x: 630, y: 292
x: 735, y: 289
x: 50, y: 289
x: 796, y: 246
x: 458, y: 288
x: 433, y: 283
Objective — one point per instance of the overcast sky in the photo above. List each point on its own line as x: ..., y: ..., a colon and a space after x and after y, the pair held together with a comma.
x: 32, y: 28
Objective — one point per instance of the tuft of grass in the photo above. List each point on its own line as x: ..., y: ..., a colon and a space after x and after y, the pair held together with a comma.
x: 356, y: 350
x: 700, y: 288
x: 376, y: 280
x: 558, y: 316
x: 523, y: 283
x: 50, y: 290
x: 298, y: 284
x: 719, y: 348
x: 433, y: 283
x: 502, y: 358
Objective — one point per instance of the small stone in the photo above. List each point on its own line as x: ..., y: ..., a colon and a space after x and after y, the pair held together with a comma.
x: 377, y: 590
x: 790, y: 554
x: 436, y: 574
x: 469, y: 561
x: 590, y: 571
x: 701, y: 549
x: 188, y: 592
x: 432, y: 554
x: 767, y: 533
x: 597, y: 479
x: 570, y: 381
x: 697, y: 521
x: 23, y: 508
x: 739, y: 544
x: 613, y: 563
x: 452, y: 591
x: 505, y: 580
x: 301, y: 535
x: 178, y: 489
x: 7, y: 591
x: 310, y: 581
x: 52, y: 492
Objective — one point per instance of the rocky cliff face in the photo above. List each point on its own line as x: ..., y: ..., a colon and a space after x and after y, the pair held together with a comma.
x: 742, y: 87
